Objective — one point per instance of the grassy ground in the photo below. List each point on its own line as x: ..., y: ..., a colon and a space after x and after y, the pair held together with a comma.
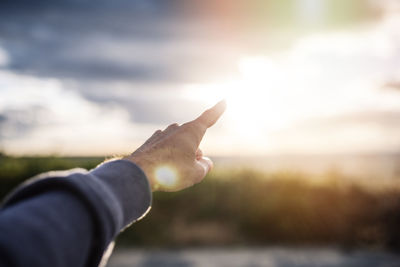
x: 250, y: 208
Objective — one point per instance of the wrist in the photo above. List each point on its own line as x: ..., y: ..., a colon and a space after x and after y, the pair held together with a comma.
x: 144, y: 167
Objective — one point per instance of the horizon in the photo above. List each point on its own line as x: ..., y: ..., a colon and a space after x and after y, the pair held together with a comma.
x: 371, y: 168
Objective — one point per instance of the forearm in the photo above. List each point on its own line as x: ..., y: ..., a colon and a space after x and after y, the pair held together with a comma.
x: 112, y: 196
x: 51, y: 229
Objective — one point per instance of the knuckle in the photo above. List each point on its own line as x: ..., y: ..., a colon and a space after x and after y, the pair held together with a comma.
x: 174, y: 125
x: 187, y: 127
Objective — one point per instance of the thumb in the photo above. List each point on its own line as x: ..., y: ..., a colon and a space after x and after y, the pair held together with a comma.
x: 203, y: 165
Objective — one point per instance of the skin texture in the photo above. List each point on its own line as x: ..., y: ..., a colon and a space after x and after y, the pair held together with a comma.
x: 175, y: 152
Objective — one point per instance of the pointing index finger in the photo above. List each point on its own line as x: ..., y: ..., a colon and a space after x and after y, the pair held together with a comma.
x: 211, y: 116
x: 207, y: 119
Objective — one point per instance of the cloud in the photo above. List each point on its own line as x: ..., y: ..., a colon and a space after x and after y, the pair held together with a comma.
x: 119, y: 40
x: 41, y: 116
x: 17, y: 123
x: 98, y: 48
x: 323, y: 95
x: 76, y: 73
x: 350, y: 110
x: 362, y: 132
x: 4, y: 60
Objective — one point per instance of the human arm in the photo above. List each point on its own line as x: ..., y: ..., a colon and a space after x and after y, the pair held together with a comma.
x: 69, y: 218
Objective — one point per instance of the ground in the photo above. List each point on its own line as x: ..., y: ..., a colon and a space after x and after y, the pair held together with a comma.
x: 254, y: 257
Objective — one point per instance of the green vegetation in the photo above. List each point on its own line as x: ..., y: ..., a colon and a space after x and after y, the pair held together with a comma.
x: 245, y: 207
x: 14, y: 171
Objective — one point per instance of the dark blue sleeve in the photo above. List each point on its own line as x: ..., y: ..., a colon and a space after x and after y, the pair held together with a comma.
x: 52, y: 229
x: 70, y: 218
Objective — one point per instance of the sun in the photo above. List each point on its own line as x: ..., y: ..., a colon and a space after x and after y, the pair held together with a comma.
x: 256, y: 104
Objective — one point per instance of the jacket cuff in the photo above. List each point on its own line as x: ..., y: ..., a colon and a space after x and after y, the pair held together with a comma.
x: 129, y: 186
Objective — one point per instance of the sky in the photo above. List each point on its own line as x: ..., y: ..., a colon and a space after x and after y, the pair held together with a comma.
x: 300, y: 76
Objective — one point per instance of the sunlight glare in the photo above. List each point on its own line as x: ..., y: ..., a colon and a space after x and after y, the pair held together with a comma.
x: 254, y: 100
x: 166, y: 176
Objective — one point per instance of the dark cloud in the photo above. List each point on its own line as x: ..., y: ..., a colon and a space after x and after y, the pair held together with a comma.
x: 136, y: 5
x: 97, y: 43
x: 51, y: 39
x: 152, y: 107
x: 87, y: 70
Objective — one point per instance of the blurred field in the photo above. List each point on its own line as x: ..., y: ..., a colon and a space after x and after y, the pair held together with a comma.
x: 249, y: 208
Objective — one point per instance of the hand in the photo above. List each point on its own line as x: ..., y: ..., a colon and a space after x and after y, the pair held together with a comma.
x: 171, y: 159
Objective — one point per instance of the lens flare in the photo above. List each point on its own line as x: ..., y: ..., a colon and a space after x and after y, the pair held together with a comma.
x: 166, y: 176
